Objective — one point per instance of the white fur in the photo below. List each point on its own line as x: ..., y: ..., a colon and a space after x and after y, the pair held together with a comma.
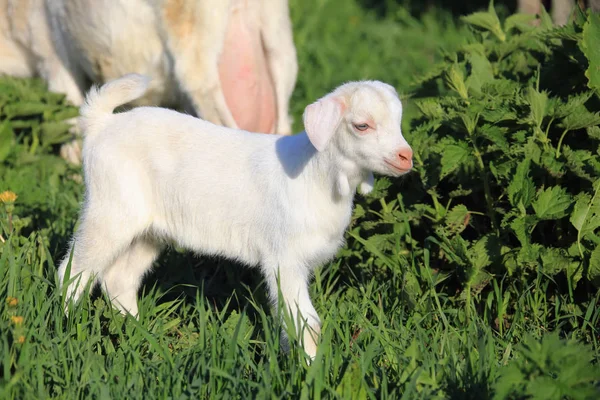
x: 176, y: 42
x: 155, y: 176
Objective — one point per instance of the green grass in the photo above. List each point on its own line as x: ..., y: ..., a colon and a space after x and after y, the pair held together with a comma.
x: 392, y: 326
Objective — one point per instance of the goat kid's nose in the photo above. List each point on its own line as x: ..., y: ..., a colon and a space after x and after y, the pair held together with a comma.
x: 405, y: 158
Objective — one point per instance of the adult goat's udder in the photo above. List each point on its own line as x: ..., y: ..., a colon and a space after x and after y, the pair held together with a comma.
x: 247, y: 84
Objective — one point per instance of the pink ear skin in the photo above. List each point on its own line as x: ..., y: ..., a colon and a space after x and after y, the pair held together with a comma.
x: 320, y: 120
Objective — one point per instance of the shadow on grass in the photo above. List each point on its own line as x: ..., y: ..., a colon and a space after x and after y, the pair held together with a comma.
x: 223, y: 283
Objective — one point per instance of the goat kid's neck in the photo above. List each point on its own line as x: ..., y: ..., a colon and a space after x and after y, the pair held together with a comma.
x: 334, y: 172
x: 340, y: 174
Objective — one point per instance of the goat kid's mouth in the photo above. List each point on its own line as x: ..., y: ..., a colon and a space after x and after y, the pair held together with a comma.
x: 397, y: 169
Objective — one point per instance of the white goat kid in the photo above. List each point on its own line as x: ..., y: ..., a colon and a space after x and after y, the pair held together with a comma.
x: 282, y: 203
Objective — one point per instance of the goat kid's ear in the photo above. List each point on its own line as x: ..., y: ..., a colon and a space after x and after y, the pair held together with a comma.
x: 320, y: 120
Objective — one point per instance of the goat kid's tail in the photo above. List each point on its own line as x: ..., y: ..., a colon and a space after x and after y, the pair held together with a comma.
x: 101, y: 101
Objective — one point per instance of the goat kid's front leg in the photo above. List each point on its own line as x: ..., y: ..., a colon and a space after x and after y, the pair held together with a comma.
x: 291, y: 286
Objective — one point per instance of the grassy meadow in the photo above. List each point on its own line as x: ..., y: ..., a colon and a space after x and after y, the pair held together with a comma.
x: 475, y: 277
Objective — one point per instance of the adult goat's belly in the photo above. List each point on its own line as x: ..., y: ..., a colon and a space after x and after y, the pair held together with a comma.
x: 247, y: 84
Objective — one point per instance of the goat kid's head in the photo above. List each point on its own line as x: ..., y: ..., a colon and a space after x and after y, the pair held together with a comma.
x: 362, y: 120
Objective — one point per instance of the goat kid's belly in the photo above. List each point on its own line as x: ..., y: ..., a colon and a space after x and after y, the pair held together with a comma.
x: 208, y: 233
x: 250, y: 246
x: 213, y: 226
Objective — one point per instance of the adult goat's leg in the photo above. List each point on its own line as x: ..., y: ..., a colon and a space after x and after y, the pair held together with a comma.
x: 194, y: 34
x: 281, y: 56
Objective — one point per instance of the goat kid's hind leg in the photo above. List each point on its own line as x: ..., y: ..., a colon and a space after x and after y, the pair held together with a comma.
x: 76, y: 278
x: 96, y: 245
x: 293, y: 286
x: 122, y: 279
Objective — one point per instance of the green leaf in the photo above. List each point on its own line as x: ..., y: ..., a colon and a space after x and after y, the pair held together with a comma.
x: 478, y: 254
x: 520, y: 21
x: 459, y: 250
x: 586, y: 215
x: 521, y: 189
x: 594, y: 132
x: 511, y: 380
x: 591, y: 49
x: 481, y: 71
x: 497, y: 113
x: 574, y: 272
x: 501, y: 87
x: 569, y: 31
x: 593, y: 272
x: 580, y: 119
x: 532, y: 149
x: 359, y: 211
x: 497, y: 135
x: 431, y: 108
x: 454, y: 249
x: 543, y: 388
x: 55, y: 132
x: 486, y: 20
x: 24, y: 109
x: 552, y: 203
x: 521, y: 227
x: 529, y: 255
x: 538, y: 103
x: 470, y: 122
x: 479, y: 279
x: 353, y: 383
x: 575, y: 102
x: 455, y: 80
x: 546, y: 21
x: 554, y: 261
x: 457, y: 219
x: 6, y: 140
x: 453, y: 156
x: 375, y: 250
x: 554, y: 166
x: 459, y: 192
x: 578, y: 162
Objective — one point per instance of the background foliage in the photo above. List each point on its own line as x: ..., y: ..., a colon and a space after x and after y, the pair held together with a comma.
x: 474, y: 277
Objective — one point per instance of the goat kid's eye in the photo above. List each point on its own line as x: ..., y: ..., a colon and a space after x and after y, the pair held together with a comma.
x: 361, y: 127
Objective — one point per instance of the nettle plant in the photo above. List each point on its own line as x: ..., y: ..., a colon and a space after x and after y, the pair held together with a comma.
x: 33, y: 124
x: 507, y: 159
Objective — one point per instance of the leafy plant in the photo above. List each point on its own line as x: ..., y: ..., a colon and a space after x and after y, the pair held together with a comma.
x: 548, y: 369
x: 507, y: 157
